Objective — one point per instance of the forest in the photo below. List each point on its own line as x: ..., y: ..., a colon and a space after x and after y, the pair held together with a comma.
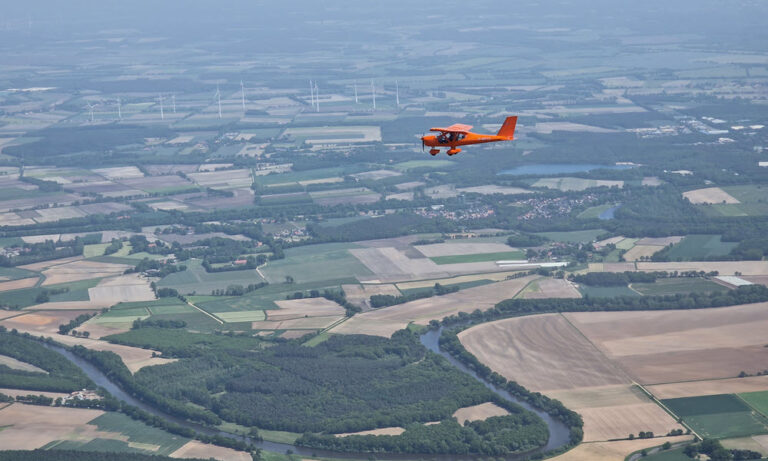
x: 61, y: 376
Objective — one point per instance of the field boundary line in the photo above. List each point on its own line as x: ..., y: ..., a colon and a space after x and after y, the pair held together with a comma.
x: 221, y: 322
x: 613, y: 364
x: 679, y: 419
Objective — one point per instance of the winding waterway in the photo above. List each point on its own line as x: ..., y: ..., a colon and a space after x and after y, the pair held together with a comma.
x: 558, y: 432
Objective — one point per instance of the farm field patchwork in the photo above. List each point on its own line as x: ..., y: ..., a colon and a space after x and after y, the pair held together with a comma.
x: 616, y: 450
x: 757, y: 400
x: 710, y: 387
x: 718, y: 416
x: 584, y: 236
x: 709, y: 195
x: 575, y: 184
x: 663, y: 287
x: 385, y: 321
x: 479, y: 257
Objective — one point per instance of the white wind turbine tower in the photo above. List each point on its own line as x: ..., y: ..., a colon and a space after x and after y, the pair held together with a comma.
x: 311, y: 93
x: 173, y: 100
x: 317, y: 97
x: 218, y: 98
x: 373, y: 94
x: 356, y: 92
x: 90, y: 109
x: 160, y: 98
x: 397, y: 95
x: 119, y: 110
x: 242, y: 94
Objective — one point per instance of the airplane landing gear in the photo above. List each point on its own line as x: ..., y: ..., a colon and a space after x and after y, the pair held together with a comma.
x: 434, y: 151
x: 453, y: 151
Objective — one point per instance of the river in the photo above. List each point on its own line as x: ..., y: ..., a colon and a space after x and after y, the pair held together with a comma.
x: 558, y: 432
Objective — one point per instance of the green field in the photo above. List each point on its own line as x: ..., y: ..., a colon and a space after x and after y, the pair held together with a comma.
x: 674, y: 286
x: 757, y: 400
x: 97, y: 249
x: 606, y: 292
x: 412, y: 164
x: 14, y: 273
x: 78, y: 291
x: 718, y: 416
x: 196, y: 280
x: 479, y: 257
x: 583, y: 236
x: 315, y: 263
x: 753, y: 198
x: 668, y: 455
x: 697, y: 247
x: 139, y: 433
x: 241, y: 316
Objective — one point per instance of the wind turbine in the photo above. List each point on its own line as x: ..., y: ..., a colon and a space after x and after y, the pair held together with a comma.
x: 311, y: 93
x: 242, y: 94
x: 173, y: 100
x: 356, y: 92
x: 218, y: 97
x: 317, y: 97
x: 162, y: 114
x: 373, y: 94
x: 90, y: 109
x: 397, y: 94
x: 119, y: 110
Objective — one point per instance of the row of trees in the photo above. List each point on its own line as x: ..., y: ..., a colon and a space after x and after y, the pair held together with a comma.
x: 391, y: 300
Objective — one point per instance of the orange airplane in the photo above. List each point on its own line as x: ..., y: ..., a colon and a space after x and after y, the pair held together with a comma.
x: 459, y: 135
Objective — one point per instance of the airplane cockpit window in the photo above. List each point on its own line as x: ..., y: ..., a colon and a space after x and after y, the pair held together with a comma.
x: 442, y: 138
x: 460, y: 136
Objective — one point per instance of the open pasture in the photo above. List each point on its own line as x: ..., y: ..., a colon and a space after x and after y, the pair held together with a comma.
x: 584, y: 236
x: 331, y: 261
x: 335, y: 134
x: 672, y: 286
x: 550, y: 288
x: 709, y: 195
x: 514, y: 255
x: 673, y: 346
x: 392, y: 264
x: 387, y: 320
x: 699, y: 247
x: 461, y: 248
x: 354, y: 195
x: 123, y: 288
x: 18, y: 284
x: 479, y: 412
x: 375, y: 175
x: 196, y: 280
x: 121, y: 172
x: 430, y: 164
x: 302, y: 308
x: 757, y: 400
x: 575, y: 184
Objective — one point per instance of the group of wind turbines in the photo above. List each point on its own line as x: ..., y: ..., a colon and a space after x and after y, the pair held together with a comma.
x: 119, y: 104
x: 315, y: 100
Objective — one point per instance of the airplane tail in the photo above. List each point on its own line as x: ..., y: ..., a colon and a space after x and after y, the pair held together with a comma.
x: 508, y: 128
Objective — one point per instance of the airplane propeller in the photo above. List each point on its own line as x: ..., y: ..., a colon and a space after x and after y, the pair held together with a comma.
x: 422, y: 141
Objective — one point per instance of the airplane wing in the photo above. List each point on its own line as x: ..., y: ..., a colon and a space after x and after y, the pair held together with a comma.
x: 455, y: 128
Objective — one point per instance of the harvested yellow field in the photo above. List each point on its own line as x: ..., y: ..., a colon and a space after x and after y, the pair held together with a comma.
x: 710, y: 387
x: 638, y: 252
x: 46, y: 264
x: 81, y: 270
x: 663, y: 241
x: 197, y: 449
x: 451, y: 249
x: 307, y: 307
x: 541, y: 352
x: 22, y: 392
x: 42, y: 322
x: 550, y: 288
x: 617, y: 422
x: 387, y: 320
x: 724, y: 267
x: 680, y: 345
x: 31, y: 426
x: 17, y: 284
x: 614, y: 451
x: 380, y: 431
x: 479, y: 412
x: 709, y: 195
x: 123, y: 288
x: 15, y: 364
